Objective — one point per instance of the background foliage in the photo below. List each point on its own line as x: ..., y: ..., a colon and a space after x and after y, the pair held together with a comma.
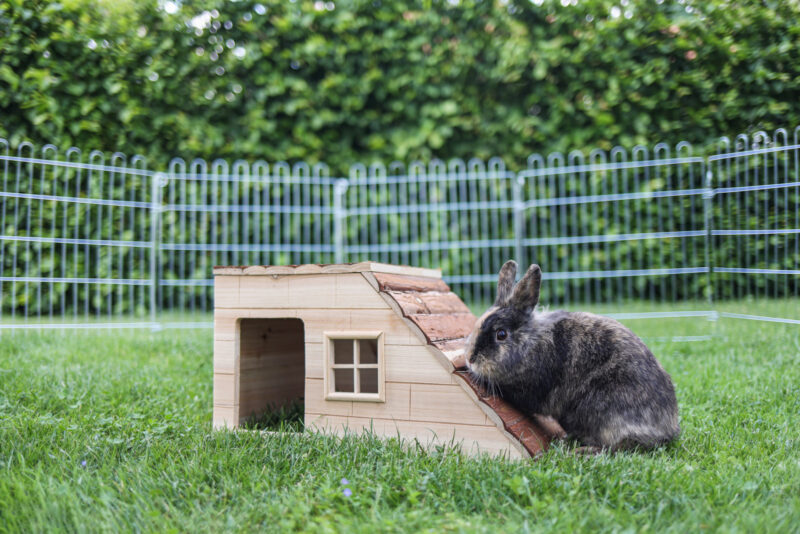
x: 357, y: 80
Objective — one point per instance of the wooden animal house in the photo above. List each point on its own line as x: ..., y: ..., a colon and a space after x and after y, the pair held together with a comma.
x: 364, y: 346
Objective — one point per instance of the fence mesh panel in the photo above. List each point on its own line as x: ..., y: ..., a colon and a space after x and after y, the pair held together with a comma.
x: 616, y: 228
x: 756, y: 225
x: 76, y: 236
x: 90, y: 240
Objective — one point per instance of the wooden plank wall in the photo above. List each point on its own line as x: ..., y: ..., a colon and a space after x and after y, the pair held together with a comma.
x: 423, y: 400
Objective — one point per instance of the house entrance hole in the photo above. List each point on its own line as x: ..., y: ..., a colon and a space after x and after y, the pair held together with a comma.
x: 271, y: 373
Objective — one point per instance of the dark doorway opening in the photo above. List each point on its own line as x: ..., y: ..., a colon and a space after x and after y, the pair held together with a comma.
x: 271, y: 373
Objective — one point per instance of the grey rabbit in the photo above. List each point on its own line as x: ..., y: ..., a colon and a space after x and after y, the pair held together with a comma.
x: 594, y: 376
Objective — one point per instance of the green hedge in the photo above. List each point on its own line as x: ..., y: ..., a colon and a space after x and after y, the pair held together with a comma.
x: 393, y: 80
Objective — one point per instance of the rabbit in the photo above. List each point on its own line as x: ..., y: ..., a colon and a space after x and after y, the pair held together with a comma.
x: 590, y: 373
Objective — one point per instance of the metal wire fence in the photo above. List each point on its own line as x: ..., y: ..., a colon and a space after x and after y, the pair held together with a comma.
x: 101, y: 241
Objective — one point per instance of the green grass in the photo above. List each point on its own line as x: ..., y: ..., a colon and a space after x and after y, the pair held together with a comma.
x: 136, y: 408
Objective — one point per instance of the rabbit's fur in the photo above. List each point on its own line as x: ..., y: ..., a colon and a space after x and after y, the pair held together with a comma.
x: 590, y: 373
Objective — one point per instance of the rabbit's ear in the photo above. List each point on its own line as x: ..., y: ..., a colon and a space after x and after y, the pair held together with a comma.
x: 505, y: 283
x: 526, y: 293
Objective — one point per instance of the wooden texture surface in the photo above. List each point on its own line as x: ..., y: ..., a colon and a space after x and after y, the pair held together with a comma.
x: 426, y: 329
x: 332, y: 268
x: 271, y: 367
x: 473, y: 439
x: 403, y: 283
x: 445, y: 326
x: 413, y: 303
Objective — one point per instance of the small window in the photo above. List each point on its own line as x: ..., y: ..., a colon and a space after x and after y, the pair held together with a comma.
x: 354, y: 366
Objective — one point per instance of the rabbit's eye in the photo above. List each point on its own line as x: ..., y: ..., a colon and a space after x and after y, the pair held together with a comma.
x: 501, y: 334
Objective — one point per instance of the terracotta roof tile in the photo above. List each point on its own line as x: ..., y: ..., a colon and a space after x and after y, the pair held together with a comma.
x: 414, y: 302
x: 437, y: 327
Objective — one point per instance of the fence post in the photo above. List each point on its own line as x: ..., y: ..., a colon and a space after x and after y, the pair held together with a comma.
x: 519, y: 210
x: 339, y: 215
x: 708, y: 198
x: 159, y: 181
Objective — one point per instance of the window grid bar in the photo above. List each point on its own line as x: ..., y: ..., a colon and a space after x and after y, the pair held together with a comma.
x: 350, y: 366
x: 356, y: 361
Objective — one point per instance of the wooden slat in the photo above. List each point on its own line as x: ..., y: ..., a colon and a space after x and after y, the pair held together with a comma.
x: 224, y: 270
x: 257, y: 270
x: 395, y: 330
x: 225, y: 327
x: 416, y: 334
x: 315, y: 400
x: 264, y: 381
x: 255, y: 313
x: 263, y: 292
x: 224, y: 356
x: 226, y: 291
x: 440, y: 303
x: 224, y: 417
x: 405, y: 270
x: 354, y: 292
x: 225, y: 389
x: 396, y: 405
x: 333, y: 268
x: 314, y: 363
x: 472, y: 439
x: 493, y: 418
x: 312, y: 291
x: 444, y: 404
x: 410, y: 303
x: 324, y: 423
x: 413, y: 303
x: 318, y: 321
x: 443, y: 327
x: 271, y: 338
x: 397, y: 282
x: 414, y: 363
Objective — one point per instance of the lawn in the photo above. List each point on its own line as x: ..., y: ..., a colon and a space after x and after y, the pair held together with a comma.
x: 110, y: 431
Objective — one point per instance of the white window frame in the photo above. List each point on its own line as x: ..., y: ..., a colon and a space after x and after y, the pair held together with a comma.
x: 330, y: 365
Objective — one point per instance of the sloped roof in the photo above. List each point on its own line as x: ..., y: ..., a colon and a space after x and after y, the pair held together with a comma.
x: 427, y: 305
x: 446, y: 322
